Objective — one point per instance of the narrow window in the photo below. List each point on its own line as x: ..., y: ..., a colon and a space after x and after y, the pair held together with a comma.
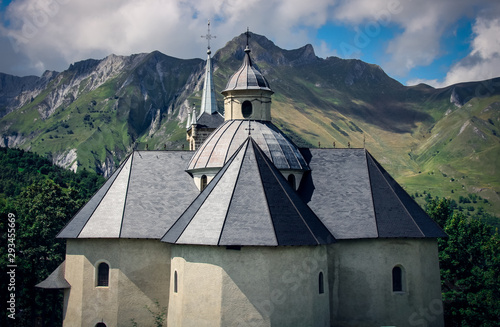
x: 203, y: 182
x: 321, y: 283
x: 103, y: 274
x: 175, y: 281
x: 397, y: 279
x: 246, y: 109
x: 291, y: 180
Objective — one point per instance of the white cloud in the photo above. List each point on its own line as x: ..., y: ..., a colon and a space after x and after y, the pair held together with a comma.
x: 483, y: 61
x: 54, y: 33
x: 50, y: 34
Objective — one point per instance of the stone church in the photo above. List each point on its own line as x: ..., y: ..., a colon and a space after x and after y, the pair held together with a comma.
x: 250, y: 230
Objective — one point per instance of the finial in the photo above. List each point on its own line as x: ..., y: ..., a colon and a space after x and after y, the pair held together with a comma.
x: 209, y: 36
x: 248, y: 36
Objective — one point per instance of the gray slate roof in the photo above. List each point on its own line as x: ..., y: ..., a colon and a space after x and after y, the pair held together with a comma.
x: 224, y: 141
x: 141, y: 199
x: 56, y: 279
x: 150, y: 194
x: 248, y: 202
x: 356, y: 198
x: 206, y: 120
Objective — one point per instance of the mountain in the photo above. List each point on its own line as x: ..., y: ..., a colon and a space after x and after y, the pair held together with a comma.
x: 442, y: 141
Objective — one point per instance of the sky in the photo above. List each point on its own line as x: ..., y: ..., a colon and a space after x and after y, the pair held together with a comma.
x: 437, y: 42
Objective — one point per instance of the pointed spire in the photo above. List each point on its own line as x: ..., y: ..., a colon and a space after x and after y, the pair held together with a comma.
x: 188, y: 122
x: 208, y: 102
x: 194, y: 119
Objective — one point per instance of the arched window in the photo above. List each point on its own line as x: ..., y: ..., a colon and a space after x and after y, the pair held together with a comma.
x: 246, y: 109
x: 291, y: 180
x: 103, y: 274
x: 100, y: 324
x: 321, y: 283
x: 203, y: 182
x: 397, y: 279
x: 175, y: 281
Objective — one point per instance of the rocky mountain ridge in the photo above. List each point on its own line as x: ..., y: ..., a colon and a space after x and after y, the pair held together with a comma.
x: 95, y: 112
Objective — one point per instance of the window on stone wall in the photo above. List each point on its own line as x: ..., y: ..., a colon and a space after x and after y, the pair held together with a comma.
x: 175, y: 281
x: 321, y: 283
x: 203, y: 182
x: 103, y: 274
x: 246, y: 109
x: 397, y: 279
x: 100, y: 324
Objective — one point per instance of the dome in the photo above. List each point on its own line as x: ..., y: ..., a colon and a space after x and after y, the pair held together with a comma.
x: 224, y: 141
x: 247, y: 77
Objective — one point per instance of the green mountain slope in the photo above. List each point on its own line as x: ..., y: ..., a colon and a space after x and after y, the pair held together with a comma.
x: 443, y: 141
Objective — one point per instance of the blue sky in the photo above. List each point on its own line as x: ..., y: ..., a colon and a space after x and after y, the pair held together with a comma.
x: 438, y: 42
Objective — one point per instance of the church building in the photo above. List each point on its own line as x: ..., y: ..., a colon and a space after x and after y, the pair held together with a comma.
x: 249, y: 230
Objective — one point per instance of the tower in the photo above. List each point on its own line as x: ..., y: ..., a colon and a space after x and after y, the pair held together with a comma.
x: 199, y: 126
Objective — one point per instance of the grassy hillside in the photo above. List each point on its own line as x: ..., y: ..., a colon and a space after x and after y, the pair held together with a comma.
x: 441, y: 141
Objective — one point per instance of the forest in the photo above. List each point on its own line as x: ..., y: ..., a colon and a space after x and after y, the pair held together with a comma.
x: 37, y: 199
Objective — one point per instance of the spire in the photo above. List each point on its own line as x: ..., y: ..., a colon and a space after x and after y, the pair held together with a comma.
x: 188, y: 122
x: 208, y: 102
x: 194, y: 119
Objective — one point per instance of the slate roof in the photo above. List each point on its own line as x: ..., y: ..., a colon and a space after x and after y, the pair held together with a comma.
x: 206, y: 120
x: 224, y: 141
x: 150, y: 194
x: 141, y: 199
x: 247, y: 77
x: 250, y: 203
x: 356, y: 198
x: 56, y: 279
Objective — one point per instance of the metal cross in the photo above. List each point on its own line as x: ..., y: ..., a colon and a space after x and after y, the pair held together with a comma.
x: 209, y: 36
x: 247, y: 34
x: 249, y: 129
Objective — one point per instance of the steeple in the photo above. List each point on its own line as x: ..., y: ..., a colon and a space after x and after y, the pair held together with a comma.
x: 208, y: 102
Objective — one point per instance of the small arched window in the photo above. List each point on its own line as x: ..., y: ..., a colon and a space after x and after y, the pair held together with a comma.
x: 175, y: 281
x: 321, y: 283
x: 397, y: 279
x: 203, y: 182
x: 246, y: 109
x: 103, y: 274
x: 100, y: 324
x: 291, y: 180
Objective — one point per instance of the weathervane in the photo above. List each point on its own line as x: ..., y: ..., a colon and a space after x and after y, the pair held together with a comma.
x: 209, y: 36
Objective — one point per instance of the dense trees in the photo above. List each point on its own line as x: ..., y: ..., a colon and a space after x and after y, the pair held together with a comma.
x: 42, y: 198
x: 470, y: 267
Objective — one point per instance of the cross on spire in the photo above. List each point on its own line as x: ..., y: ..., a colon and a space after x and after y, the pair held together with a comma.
x: 208, y: 36
x: 248, y: 35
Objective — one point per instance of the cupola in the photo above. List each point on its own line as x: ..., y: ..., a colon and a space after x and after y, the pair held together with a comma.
x: 247, y: 94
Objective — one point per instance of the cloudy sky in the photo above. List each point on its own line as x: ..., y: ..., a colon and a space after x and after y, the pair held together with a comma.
x: 439, y: 42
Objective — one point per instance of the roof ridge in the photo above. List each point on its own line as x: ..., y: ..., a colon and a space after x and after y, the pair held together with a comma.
x: 201, y: 198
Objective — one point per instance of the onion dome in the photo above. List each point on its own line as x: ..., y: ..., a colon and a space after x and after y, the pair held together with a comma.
x: 225, y: 140
x: 247, y: 77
